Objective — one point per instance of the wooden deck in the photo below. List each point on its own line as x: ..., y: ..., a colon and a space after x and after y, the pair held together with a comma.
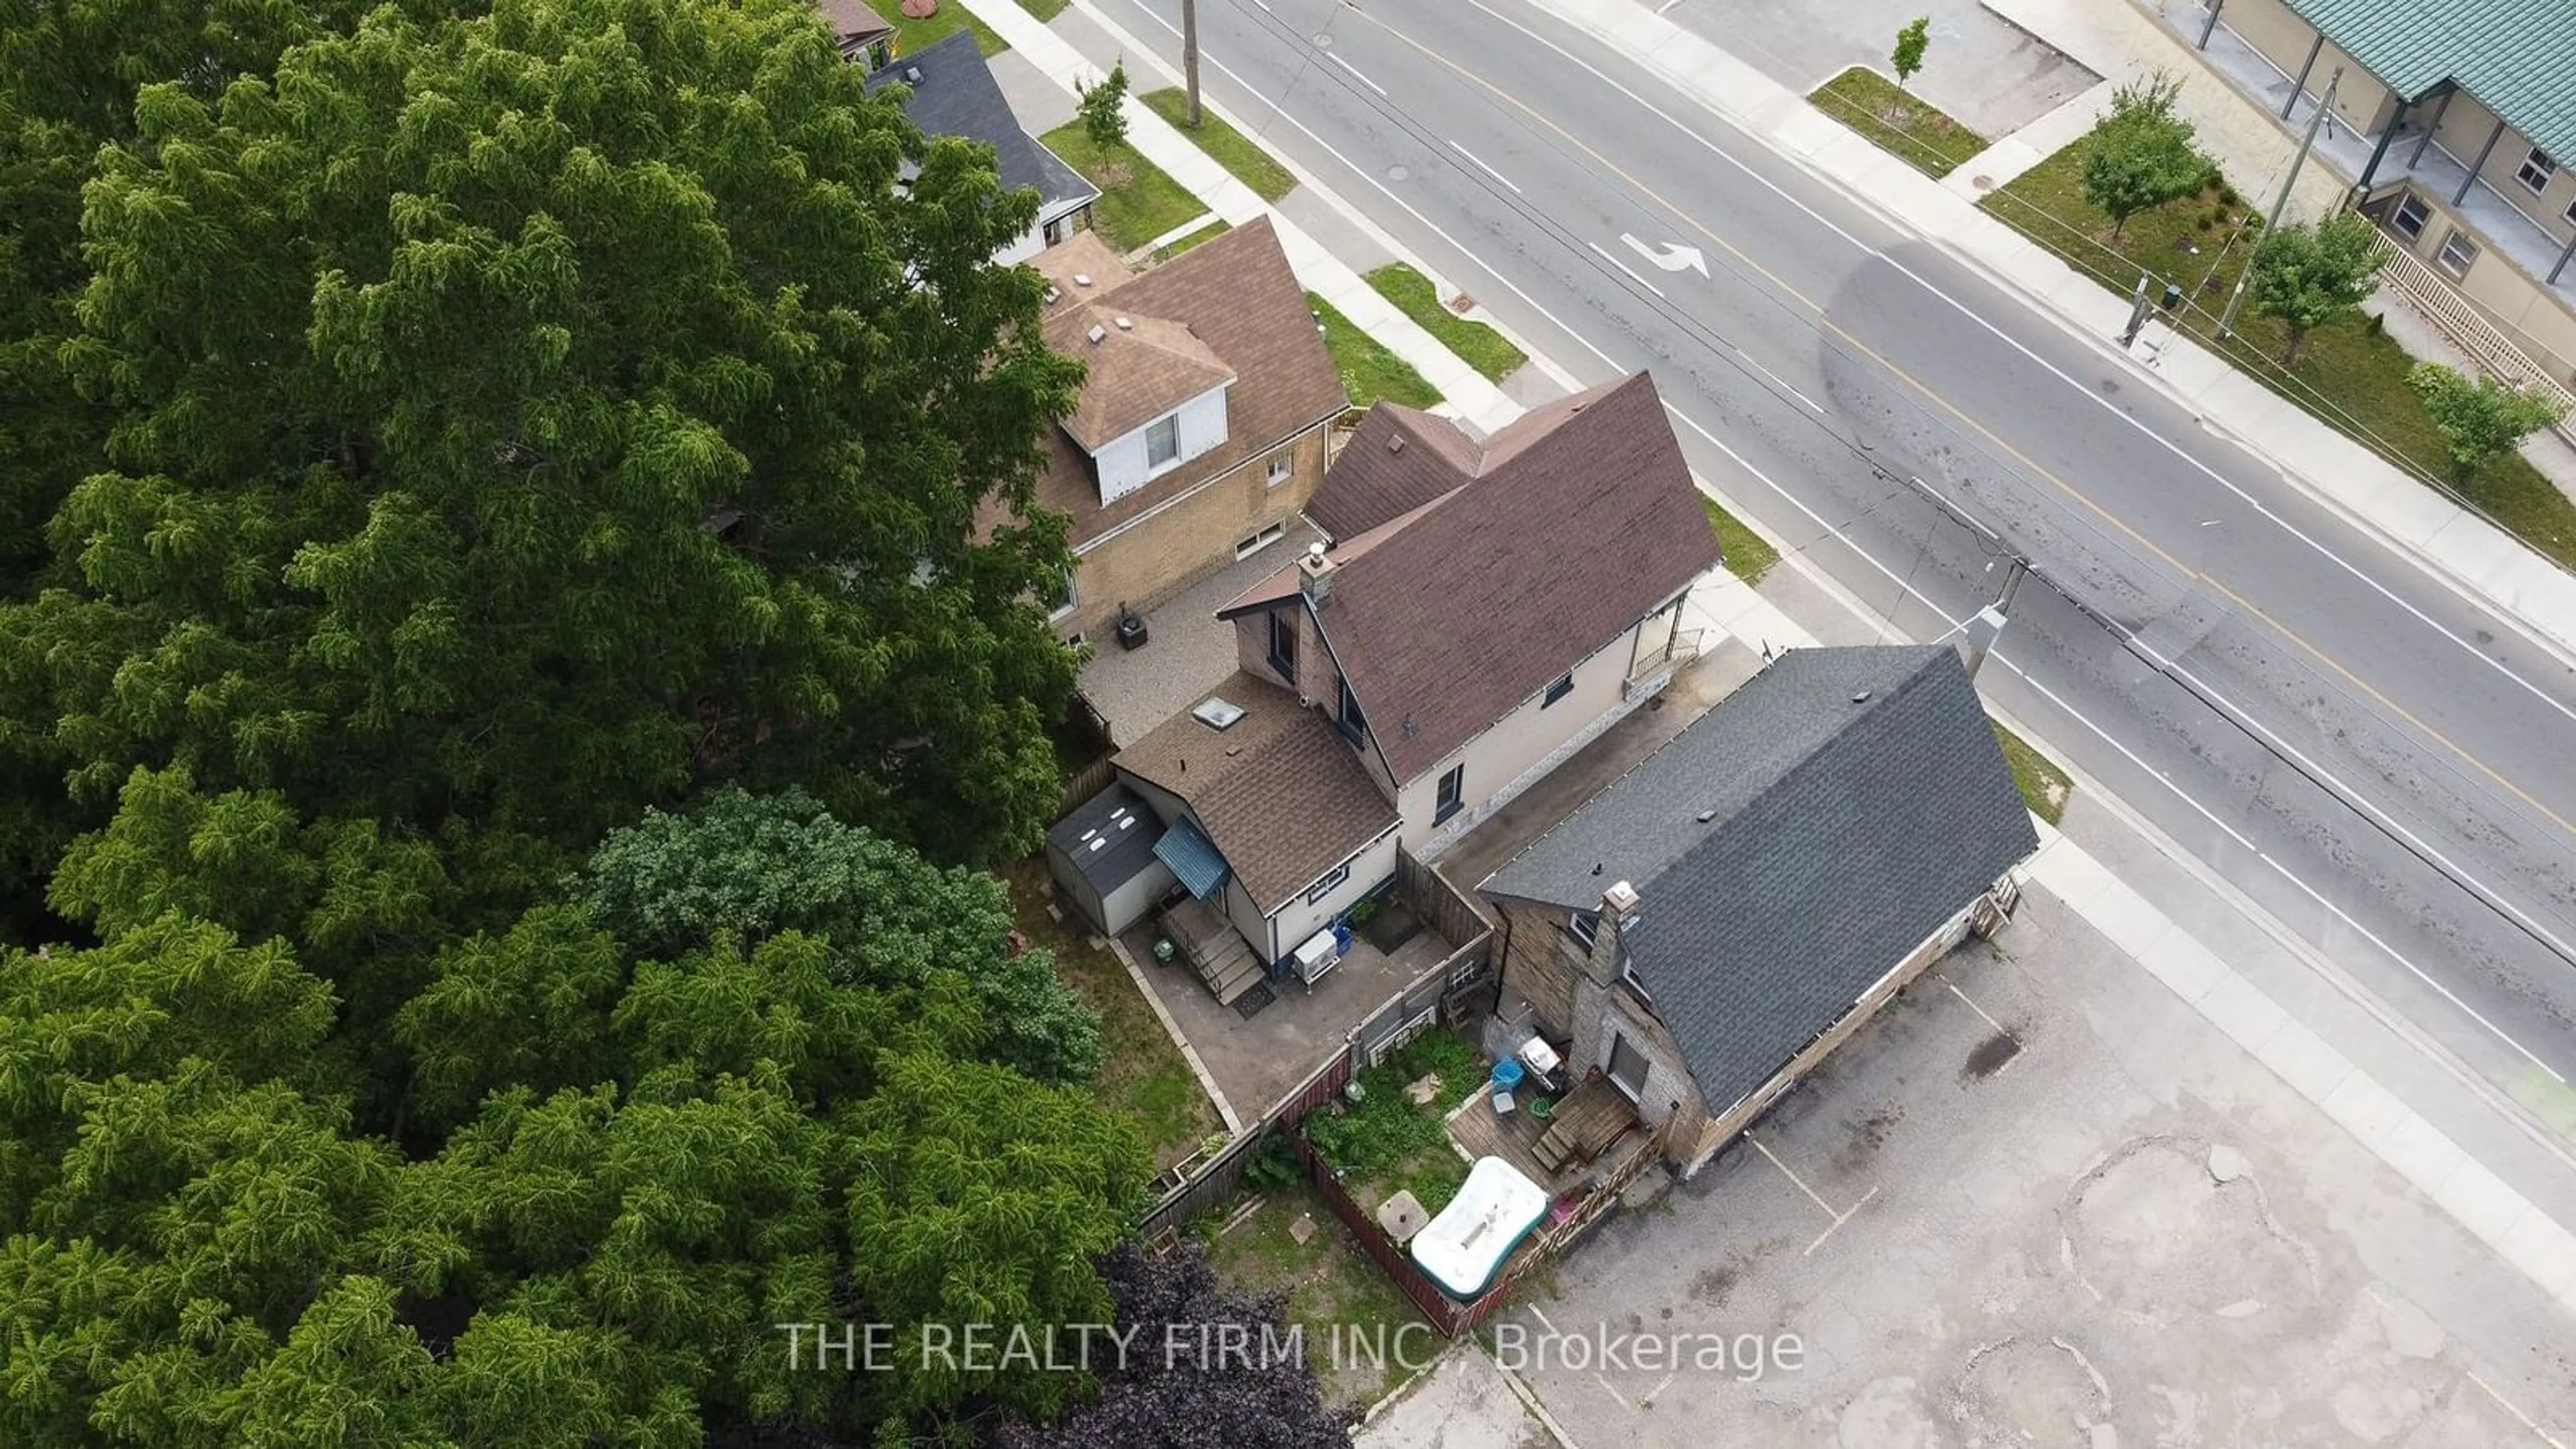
x: 1558, y: 1154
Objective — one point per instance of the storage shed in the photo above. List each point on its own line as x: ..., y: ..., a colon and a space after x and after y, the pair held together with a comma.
x: 1103, y: 859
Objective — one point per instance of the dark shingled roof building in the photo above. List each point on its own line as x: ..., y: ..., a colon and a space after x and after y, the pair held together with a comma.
x: 954, y: 94
x: 1790, y: 848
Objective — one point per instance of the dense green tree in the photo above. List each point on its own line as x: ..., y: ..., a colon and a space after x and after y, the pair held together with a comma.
x: 748, y: 866
x: 522, y: 419
x: 1912, y: 39
x: 2481, y: 419
x: 2308, y: 276
x: 2142, y: 155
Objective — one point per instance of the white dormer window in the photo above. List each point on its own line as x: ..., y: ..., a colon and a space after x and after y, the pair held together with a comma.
x: 1163, y: 441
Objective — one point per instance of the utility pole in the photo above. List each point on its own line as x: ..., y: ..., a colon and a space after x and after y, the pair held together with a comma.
x: 2280, y: 207
x: 1190, y: 55
x: 2137, y: 312
x: 1987, y: 624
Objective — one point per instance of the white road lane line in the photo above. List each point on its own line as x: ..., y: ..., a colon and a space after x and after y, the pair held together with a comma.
x: 2060, y: 374
x: 1623, y: 266
x: 1355, y: 70
x: 1488, y: 170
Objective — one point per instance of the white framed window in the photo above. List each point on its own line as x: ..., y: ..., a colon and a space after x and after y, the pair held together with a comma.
x: 1331, y: 882
x: 1282, y: 468
x: 1559, y: 689
x: 2535, y: 170
x: 2409, y: 217
x: 2571, y: 209
x: 1583, y: 926
x: 1453, y: 793
x: 2458, y: 253
x: 1066, y: 601
x: 1251, y: 544
x: 1163, y: 441
x: 1635, y: 982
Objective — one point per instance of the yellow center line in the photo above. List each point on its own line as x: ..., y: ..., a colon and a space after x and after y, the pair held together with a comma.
x: 2191, y: 573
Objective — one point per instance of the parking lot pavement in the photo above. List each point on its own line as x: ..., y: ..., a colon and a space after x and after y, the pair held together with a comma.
x: 1979, y: 67
x: 2040, y: 1201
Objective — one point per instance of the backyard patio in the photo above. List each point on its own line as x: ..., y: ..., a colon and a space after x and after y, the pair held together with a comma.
x: 1276, y: 1035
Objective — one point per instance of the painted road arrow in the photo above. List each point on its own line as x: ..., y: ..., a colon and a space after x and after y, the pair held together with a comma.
x: 1672, y: 256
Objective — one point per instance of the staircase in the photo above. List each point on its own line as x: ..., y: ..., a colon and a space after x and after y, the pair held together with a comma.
x: 1228, y: 967
x: 1215, y: 949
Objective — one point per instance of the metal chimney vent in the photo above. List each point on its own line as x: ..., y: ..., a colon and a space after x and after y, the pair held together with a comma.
x: 912, y: 74
x: 1124, y: 325
x: 1217, y: 713
x: 1082, y: 279
x: 1097, y: 332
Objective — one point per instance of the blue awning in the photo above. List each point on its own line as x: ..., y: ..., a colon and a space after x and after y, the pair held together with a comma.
x: 1193, y: 858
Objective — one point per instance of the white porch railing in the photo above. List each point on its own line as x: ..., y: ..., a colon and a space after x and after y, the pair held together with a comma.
x: 2443, y: 304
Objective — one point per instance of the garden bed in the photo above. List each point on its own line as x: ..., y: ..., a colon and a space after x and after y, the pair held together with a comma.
x: 1900, y: 123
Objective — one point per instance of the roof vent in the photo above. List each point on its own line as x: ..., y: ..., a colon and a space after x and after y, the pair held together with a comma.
x: 1861, y: 698
x: 1124, y: 325
x: 912, y: 74
x: 1217, y: 713
x: 1395, y: 444
x: 1052, y: 294
x: 1706, y: 816
x: 1082, y: 279
x: 1096, y: 333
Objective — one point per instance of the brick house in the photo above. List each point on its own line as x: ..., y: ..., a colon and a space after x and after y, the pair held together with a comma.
x: 1703, y: 931
x: 1202, y: 423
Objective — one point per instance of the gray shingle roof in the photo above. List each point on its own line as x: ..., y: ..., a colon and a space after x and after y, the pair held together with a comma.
x: 1841, y: 834
x: 954, y: 94
x: 2518, y: 56
x: 1109, y: 837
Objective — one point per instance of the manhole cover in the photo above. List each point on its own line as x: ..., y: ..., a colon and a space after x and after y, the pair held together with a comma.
x: 1323, y: 42
x: 1397, y: 173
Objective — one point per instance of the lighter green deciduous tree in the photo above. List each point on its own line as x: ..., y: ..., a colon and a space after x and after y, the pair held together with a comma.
x: 2481, y: 419
x: 2308, y: 276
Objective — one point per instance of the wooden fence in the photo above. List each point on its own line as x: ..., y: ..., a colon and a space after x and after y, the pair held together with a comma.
x: 1086, y: 782
x: 1442, y: 906
x: 1221, y: 1177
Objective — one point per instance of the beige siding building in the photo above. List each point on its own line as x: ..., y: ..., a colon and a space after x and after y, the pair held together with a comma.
x: 2455, y: 120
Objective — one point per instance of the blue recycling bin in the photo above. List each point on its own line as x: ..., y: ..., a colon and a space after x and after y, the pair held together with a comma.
x: 1507, y: 1074
x: 1341, y: 938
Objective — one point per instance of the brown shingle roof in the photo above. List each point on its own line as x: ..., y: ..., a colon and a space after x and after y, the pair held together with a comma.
x: 1567, y: 528
x: 1281, y: 793
x: 853, y: 24
x: 1139, y: 368
x: 1236, y: 295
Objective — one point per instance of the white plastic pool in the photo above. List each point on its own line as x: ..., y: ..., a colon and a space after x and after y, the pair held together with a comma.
x: 1463, y: 1246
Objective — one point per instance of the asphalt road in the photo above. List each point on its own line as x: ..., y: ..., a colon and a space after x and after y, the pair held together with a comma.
x: 2376, y: 760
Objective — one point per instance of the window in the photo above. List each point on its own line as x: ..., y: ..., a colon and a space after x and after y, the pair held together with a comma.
x: 2410, y: 216
x: 1063, y: 603
x: 1584, y: 925
x: 1636, y: 983
x: 1353, y: 724
x: 2458, y: 253
x: 1283, y: 644
x: 1453, y: 792
x: 1163, y: 442
x: 2571, y: 211
x: 1247, y: 546
x: 2535, y: 170
x: 1332, y: 880
x: 1563, y: 686
x: 1627, y: 1066
x: 1282, y: 468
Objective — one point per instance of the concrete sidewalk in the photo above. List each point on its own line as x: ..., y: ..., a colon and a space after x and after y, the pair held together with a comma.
x: 2472, y: 556
x: 1469, y: 396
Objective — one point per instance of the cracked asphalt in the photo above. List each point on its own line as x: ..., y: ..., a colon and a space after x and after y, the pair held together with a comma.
x: 2108, y: 1228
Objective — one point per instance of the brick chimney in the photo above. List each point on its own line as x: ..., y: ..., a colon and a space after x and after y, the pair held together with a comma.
x: 1618, y: 903
x: 1315, y: 575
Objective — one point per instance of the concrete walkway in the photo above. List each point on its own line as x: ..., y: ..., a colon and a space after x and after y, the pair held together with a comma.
x: 1468, y: 395
x: 2465, y: 551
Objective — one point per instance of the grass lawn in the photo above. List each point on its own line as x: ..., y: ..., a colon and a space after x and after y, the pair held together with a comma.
x: 2044, y: 787
x: 1224, y: 144
x: 2349, y: 374
x: 1748, y: 555
x: 1480, y: 346
x: 1904, y: 126
x: 1143, y: 1075
x: 1202, y: 236
x: 1387, y: 1143
x: 1137, y: 201
x: 1369, y: 371
x: 914, y: 34
x: 1329, y: 1281
x: 1045, y: 10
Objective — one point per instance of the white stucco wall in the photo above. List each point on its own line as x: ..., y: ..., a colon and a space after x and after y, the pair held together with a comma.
x: 1524, y: 745
x: 1121, y: 460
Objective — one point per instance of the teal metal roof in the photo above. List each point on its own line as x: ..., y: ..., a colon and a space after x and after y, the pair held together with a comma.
x: 1193, y: 858
x: 2518, y: 56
